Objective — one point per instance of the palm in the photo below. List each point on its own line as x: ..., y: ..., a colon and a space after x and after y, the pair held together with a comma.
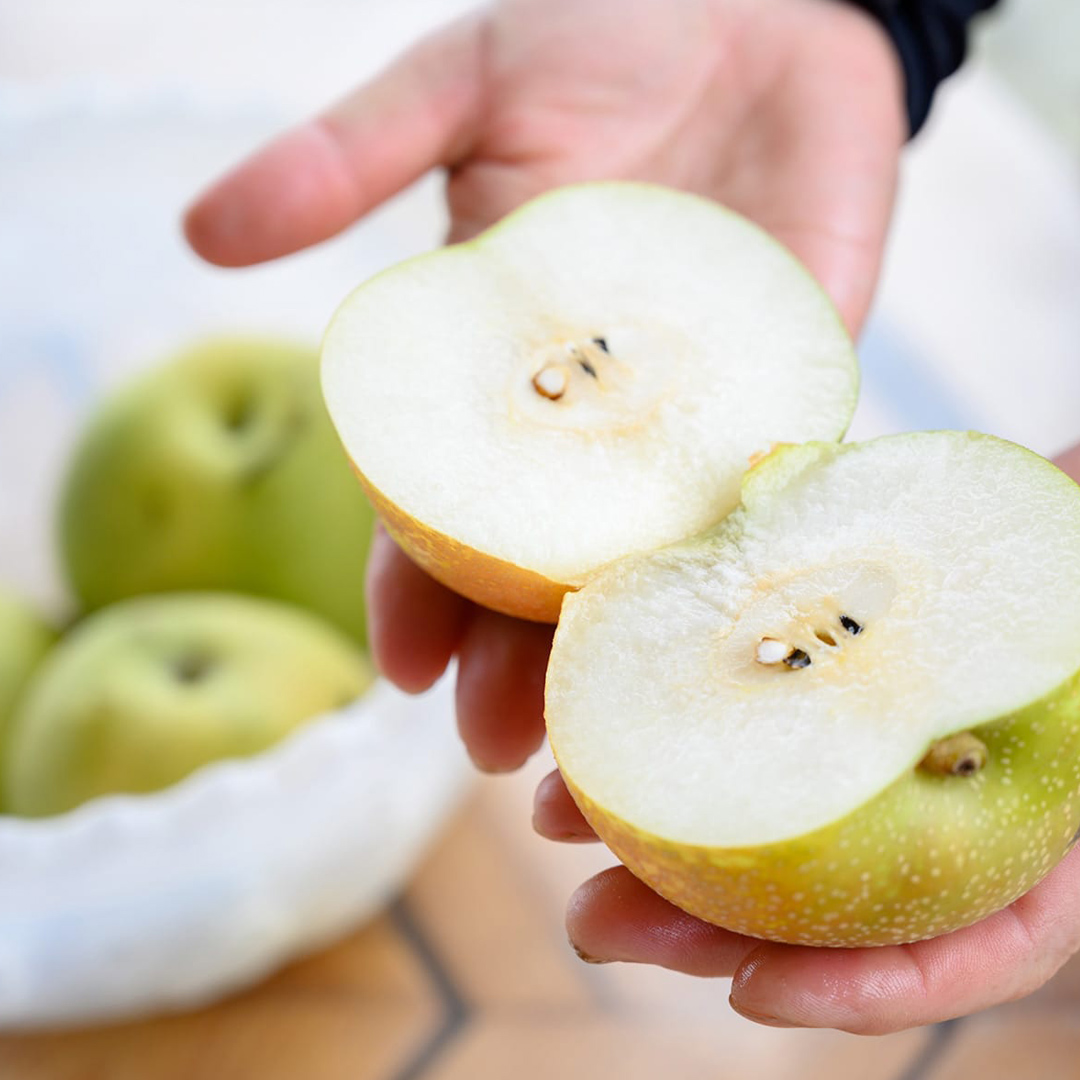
x: 777, y: 110
x: 787, y: 110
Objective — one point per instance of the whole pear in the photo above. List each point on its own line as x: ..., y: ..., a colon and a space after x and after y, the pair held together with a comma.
x: 144, y: 692
x: 219, y: 470
x: 25, y: 638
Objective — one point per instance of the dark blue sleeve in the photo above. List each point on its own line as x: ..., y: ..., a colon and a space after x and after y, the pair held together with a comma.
x: 931, y: 38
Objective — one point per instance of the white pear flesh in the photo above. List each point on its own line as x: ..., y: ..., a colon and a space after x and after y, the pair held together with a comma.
x: 923, y: 586
x: 588, y: 379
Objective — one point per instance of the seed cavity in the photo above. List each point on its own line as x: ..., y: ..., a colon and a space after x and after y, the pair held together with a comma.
x: 963, y: 754
x: 825, y: 638
x: 796, y: 659
x: 551, y: 381
x: 850, y: 625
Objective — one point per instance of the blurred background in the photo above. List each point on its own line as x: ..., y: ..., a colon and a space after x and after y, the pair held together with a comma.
x: 112, y: 115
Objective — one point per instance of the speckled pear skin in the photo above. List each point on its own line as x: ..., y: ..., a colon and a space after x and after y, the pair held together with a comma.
x: 480, y: 577
x: 928, y: 855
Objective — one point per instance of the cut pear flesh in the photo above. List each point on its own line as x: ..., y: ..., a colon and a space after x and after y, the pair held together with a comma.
x: 586, y: 380
x: 849, y: 714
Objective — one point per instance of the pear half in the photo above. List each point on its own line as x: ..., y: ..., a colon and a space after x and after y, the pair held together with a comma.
x: 586, y: 380
x: 850, y: 714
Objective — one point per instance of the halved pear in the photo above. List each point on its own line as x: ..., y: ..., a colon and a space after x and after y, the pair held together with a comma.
x: 586, y: 380
x: 850, y: 714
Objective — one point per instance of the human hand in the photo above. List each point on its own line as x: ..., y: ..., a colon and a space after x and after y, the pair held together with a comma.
x: 790, y: 111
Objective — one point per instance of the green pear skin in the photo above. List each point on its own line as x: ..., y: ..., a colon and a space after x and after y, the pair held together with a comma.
x: 144, y: 692
x: 220, y: 470
x: 25, y: 638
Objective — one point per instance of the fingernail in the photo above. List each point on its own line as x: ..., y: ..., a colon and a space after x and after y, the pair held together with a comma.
x: 567, y: 836
x: 585, y: 957
x: 491, y: 768
x: 761, y: 1018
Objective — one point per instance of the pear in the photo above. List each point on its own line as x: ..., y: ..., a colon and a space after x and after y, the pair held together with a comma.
x: 25, y: 638
x: 585, y: 380
x: 144, y: 692
x: 849, y: 714
x: 219, y: 470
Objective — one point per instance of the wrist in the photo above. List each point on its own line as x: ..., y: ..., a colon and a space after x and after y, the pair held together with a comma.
x: 930, y: 40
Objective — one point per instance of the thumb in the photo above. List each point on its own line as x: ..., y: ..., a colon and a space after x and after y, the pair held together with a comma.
x: 315, y: 180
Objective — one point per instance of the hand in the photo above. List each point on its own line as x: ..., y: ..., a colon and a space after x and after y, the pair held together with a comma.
x: 790, y: 111
x: 787, y: 110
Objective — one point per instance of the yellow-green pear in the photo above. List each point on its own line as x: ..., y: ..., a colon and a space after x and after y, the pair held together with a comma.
x: 219, y: 470
x: 850, y: 714
x: 143, y: 692
x: 25, y: 638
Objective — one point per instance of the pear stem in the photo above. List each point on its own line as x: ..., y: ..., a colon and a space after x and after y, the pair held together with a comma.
x: 963, y: 754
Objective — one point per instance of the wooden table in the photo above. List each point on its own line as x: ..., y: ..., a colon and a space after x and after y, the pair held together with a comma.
x: 469, y: 977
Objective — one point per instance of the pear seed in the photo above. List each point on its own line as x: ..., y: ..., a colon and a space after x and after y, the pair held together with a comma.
x: 850, y: 625
x: 551, y: 381
x: 771, y: 651
x: 588, y: 368
x: 958, y: 755
x: 601, y: 343
x: 797, y: 659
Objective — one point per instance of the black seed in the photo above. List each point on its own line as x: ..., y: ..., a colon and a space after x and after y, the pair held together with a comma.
x: 850, y: 625
x: 967, y: 766
x: 601, y: 343
x: 796, y: 659
x: 588, y: 368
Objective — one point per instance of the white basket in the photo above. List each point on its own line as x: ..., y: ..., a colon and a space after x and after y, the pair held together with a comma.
x: 135, y: 905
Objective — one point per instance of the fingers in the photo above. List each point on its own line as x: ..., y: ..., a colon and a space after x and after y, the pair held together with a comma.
x: 613, y: 916
x: 555, y: 814
x: 313, y: 181
x: 866, y: 991
x: 414, y: 623
x: 500, y: 689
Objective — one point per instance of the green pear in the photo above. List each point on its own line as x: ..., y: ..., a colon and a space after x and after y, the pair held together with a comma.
x: 219, y: 470
x: 25, y: 638
x: 142, y: 693
x: 849, y: 714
